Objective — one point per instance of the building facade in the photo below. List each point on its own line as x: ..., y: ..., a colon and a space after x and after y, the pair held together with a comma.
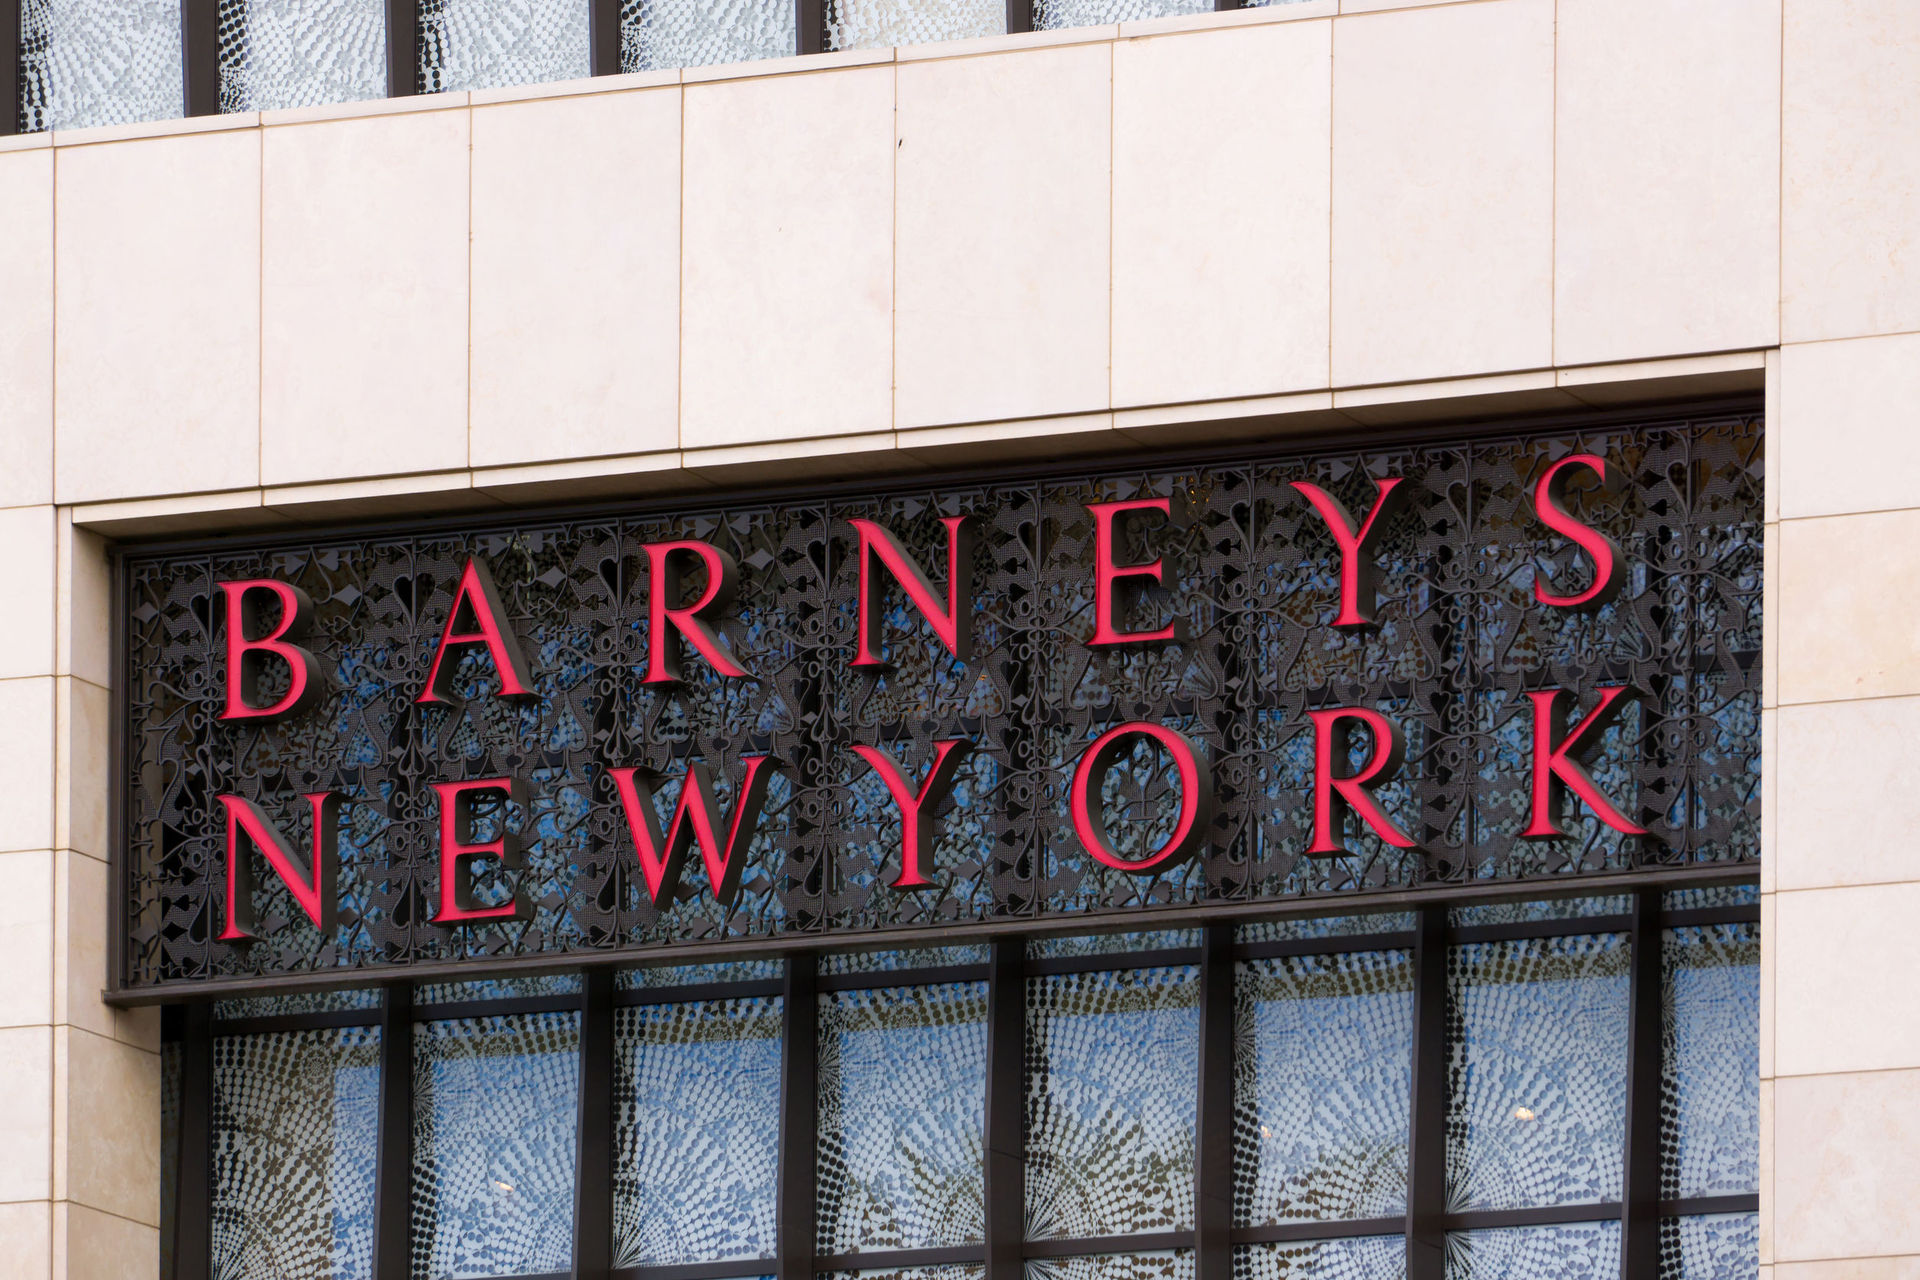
x: 1077, y: 640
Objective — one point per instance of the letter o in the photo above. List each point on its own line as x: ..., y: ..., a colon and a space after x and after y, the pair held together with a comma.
x: 1196, y: 797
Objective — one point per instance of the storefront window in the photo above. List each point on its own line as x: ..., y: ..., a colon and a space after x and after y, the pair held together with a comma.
x: 301, y: 53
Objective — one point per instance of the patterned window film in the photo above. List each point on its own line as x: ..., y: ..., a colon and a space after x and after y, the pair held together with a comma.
x: 301, y: 53
x: 1482, y: 1057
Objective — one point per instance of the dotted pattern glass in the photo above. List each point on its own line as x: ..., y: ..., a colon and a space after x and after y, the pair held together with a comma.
x: 483, y: 44
x: 98, y: 62
x: 1111, y: 1079
x: 893, y: 961
x: 1324, y: 927
x: 301, y: 53
x: 1711, y: 1063
x: 1719, y: 895
x: 687, y: 975
x: 494, y: 1111
x: 877, y: 24
x: 545, y: 984
x: 1049, y: 15
x: 1721, y: 1246
x: 1537, y: 1071
x: 1353, y: 1258
x: 172, y: 1058
x: 299, y: 1002
x: 696, y: 1099
x: 902, y: 1101
x: 295, y: 1118
x: 1114, y: 944
x: 1542, y: 910
x: 1323, y: 1054
x: 700, y: 33
x: 1165, y: 1264
x: 1571, y: 1251
x: 959, y: 1271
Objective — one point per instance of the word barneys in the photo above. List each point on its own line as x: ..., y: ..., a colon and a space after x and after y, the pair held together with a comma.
x: 266, y: 619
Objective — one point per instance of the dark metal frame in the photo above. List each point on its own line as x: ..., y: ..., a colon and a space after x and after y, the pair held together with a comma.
x: 1005, y: 1248
x: 10, y: 83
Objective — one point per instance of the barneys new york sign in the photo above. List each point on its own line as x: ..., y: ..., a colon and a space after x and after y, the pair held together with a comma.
x: 1262, y: 677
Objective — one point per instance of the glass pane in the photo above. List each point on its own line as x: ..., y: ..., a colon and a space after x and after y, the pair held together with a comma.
x: 1712, y: 1062
x: 1571, y: 1251
x: 484, y: 44
x: 1113, y: 1062
x: 890, y: 961
x: 1050, y: 14
x: 301, y: 1002
x: 877, y: 24
x: 171, y: 1058
x: 1543, y: 909
x: 700, y: 33
x: 903, y: 1089
x: 1721, y: 1246
x: 301, y: 53
x: 94, y: 62
x: 696, y: 1097
x: 1323, y: 1065
x: 1324, y: 927
x: 1538, y: 1071
x: 1115, y: 944
x: 958, y: 1271
x: 295, y: 1118
x: 494, y: 1103
x: 686, y: 975
x: 1355, y: 1258
x: 1719, y: 895
x: 546, y: 984
x: 1167, y: 1264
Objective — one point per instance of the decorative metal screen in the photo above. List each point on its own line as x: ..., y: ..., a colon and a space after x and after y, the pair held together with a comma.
x: 1255, y: 573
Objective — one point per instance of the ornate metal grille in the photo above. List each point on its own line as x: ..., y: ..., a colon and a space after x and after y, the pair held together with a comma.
x: 1460, y: 641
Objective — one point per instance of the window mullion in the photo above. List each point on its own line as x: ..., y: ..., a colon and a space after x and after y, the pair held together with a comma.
x: 603, y: 37
x: 1640, y: 1193
x: 1427, y: 1138
x: 799, y: 1103
x: 1006, y: 1103
x: 393, y: 1167
x: 403, y: 48
x: 193, y: 1212
x: 1213, y: 1147
x: 200, y: 57
x: 593, y: 1149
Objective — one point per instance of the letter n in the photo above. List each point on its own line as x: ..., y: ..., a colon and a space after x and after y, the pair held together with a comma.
x: 313, y: 888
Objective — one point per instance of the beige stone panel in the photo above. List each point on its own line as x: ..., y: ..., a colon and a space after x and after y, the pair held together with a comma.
x: 26, y: 937
x: 26, y: 764
x: 1844, y: 434
x: 1839, y: 772
x: 26, y: 328
x: 1850, y: 1147
x: 576, y: 277
x: 787, y: 264
x: 1846, y: 630
x: 1220, y: 251
x: 26, y: 1113
x: 1770, y: 616
x: 26, y: 1240
x: 1769, y: 796
x: 84, y: 599
x: 26, y: 584
x: 1667, y: 177
x: 102, y: 1246
x: 1442, y: 191
x: 1769, y: 970
x: 157, y: 367
x: 80, y: 943
x: 1850, y: 173
x: 1004, y: 236
x: 1907, y: 1268
x: 1763, y: 1169
x: 1846, y: 992
x: 82, y: 714
x: 112, y: 1132
x: 364, y: 298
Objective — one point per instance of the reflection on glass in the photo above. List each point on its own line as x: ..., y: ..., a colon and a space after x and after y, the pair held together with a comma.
x: 541, y: 984
x: 1538, y: 1071
x: 171, y: 1060
x: 1719, y: 895
x: 655, y: 34
x: 97, y: 62
x: 1324, y: 927
x: 877, y: 24
x: 1111, y: 1075
x: 1051, y: 14
x: 687, y: 975
x: 1540, y: 909
x: 294, y: 1124
x: 1352, y: 1258
x: 1570, y: 1251
x: 494, y: 1103
x: 902, y: 1098
x: 1711, y: 1063
x: 1323, y: 1064
x: 301, y: 53
x: 892, y: 961
x: 696, y: 1129
x: 956, y: 1271
x: 483, y: 44
x: 1721, y: 1246
x: 1165, y: 1264
x: 1115, y: 944
x: 299, y: 1002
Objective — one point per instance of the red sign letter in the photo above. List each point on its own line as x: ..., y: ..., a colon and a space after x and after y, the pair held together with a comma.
x: 1550, y: 502
x: 954, y: 624
x: 1359, y: 574
x: 1107, y: 575
x: 918, y: 809
x: 1196, y: 797
x: 1336, y: 793
x: 1558, y: 755
x: 313, y: 891
x: 475, y: 619
x: 458, y: 851
x: 664, y: 619
x: 696, y: 817
x: 246, y: 656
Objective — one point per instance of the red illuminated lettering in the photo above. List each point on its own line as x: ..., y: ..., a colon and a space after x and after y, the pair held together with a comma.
x: 248, y: 650
x: 459, y: 850
x: 1359, y: 574
x: 1336, y: 793
x: 668, y: 621
x: 313, y: 888
x: 475, y: 619
x: 1560, y: 757
x: 1109, y: 577
x: 697, y: 817
x: 1089, y: 817
x: 917, y: 809
x: 1550, y: 503
x: 953, y: 624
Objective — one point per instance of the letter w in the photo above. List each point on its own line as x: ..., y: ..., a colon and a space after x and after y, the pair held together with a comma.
x: 696, y: 818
